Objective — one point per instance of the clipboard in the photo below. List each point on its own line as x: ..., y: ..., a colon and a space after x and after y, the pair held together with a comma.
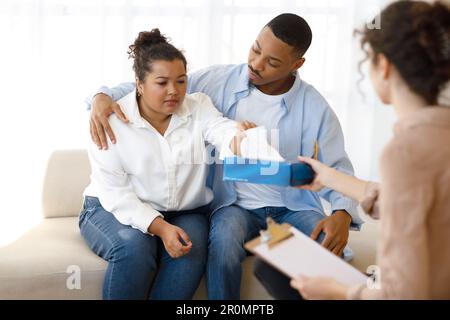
x: 294, y: 254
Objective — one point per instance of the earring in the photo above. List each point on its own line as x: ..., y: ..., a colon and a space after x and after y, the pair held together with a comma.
x: 139, y: 94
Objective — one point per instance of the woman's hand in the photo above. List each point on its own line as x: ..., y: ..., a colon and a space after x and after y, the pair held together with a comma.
x: 324, y: 174
x: 102, y: 108
x: 175, y: 240
x: 246, y: 125
x: 240, y: 135
x: 348, y: 185
x: 172, y: 237
x: 320, y: 288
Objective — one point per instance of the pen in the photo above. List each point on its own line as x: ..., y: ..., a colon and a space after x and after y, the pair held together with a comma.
x: 316, y: 150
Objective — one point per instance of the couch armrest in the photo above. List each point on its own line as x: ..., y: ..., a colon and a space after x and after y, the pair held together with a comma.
x: 66, y: 177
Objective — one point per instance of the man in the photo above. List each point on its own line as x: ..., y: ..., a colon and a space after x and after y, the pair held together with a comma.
x: 268, y: 92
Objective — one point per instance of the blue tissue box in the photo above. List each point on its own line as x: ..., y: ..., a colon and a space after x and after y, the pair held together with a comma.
x: 267, y: 172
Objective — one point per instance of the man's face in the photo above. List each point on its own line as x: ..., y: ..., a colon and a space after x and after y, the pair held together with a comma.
x: 270, y: 59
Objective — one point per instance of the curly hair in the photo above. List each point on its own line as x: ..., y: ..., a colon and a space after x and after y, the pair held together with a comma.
x: 148, y: 47
x: 415, y: 38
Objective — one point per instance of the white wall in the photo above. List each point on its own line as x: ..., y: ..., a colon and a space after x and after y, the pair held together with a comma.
x: 55, y: 52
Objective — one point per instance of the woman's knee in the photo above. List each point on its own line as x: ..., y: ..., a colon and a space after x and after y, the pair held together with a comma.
x: 197, y: 228
x: 135, y: 247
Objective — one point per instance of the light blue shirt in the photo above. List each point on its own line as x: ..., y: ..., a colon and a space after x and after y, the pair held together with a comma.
x: 305, y: 117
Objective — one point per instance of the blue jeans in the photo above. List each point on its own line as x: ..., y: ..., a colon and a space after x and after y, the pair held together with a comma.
x: 138, y: 265
x: 230, y: 228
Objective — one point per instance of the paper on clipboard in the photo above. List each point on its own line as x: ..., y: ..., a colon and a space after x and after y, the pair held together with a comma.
x: 300, y: 255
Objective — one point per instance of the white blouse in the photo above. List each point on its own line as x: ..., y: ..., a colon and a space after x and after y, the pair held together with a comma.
x: 144, y: 172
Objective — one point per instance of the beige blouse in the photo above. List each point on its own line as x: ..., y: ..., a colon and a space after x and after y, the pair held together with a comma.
x: 413, y: 203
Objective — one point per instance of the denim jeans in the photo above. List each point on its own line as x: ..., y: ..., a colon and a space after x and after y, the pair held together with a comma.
x: 138, y: 265
x: 230, y: 228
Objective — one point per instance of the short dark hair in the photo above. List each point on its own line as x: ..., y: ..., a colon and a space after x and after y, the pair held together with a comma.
x: 415, y: 38
x: 148, y: 47
x: 293, y: 30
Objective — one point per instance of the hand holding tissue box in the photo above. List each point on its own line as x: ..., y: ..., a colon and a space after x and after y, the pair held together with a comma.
x: 260, y: 163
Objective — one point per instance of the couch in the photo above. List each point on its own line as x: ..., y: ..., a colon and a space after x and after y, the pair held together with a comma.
x: 52, y: 261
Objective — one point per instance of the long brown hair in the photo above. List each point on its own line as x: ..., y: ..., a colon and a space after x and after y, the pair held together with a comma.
x: 415, y: 37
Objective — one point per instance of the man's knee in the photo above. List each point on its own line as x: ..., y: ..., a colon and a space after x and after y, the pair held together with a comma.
x: 305, y: 221
x: 228, y: 231
x: 228, y: 224
x: 225, y: 243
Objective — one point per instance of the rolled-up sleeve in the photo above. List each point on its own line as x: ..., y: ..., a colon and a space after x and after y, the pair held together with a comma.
x: 217, y: 130
x: 115, y: 93
x: 115, y: 192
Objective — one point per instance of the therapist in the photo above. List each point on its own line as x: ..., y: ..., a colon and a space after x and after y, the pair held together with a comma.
x: 410, y: 66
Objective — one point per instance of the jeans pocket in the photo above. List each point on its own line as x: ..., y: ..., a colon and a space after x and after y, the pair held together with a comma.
x: 90, y: 205
x: 91, y: 202
x: 81, y: 217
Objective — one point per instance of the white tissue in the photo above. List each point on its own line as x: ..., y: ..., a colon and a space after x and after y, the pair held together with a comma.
x: 255, y: 146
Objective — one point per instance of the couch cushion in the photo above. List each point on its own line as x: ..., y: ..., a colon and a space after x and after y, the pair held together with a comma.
x: 35, y: 266
x: 66, y: 177
x: 364, y: 244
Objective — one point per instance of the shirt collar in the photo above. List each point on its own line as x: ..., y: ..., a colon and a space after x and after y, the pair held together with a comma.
x: 289, y: 98
x: 130, y: 108
x: 243, y: 82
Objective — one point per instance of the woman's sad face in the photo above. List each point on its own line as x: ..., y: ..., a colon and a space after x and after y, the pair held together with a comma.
x: 164, y: 88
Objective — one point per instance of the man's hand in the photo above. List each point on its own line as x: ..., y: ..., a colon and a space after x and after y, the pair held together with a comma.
x: 102, y: 108
x: 336, y: 228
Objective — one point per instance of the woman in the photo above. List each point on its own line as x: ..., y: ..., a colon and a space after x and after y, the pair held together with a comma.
x: 145, y: 211
x: 410, y: 66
